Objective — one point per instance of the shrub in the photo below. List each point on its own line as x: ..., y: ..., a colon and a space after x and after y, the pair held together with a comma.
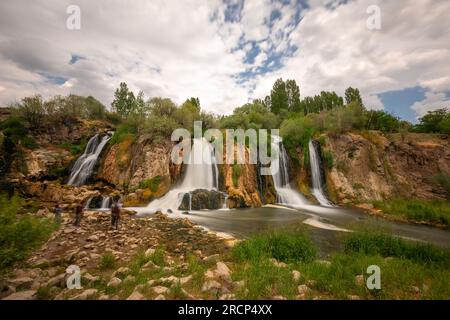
x: 237, y: 172
x: 107, y: 262
x: 19, y: 235
x: 444, y: 181
x: 286, y: 246
x: 124, y: 131
x: 151, y: 184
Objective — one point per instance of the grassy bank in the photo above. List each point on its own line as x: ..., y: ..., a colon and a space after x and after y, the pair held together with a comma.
x: 432, y: 212
x: 408, y: 270
x: 20, y: 234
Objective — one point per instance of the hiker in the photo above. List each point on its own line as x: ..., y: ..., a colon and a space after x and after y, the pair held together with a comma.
x: 57, y: 211
x: 115, y: 215
x: 78, y: 215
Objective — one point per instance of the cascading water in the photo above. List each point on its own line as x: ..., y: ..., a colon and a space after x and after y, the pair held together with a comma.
x: 84, y: 166
x: 285, y: 193
x: 317, y: 178
x: 106, y: 202
x: 201, y: 173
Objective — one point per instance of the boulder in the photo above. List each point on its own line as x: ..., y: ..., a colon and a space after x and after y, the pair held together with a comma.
x: 114, y: 282
x: 86, y: 294
x: 136, y: 295
x: 203, y: 199
x: 22, y: 295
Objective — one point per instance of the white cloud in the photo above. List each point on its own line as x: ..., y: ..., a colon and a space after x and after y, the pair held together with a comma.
x: 176, y: 49
x: 432, y: 101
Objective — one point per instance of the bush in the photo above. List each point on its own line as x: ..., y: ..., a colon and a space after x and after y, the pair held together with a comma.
x: 444, y: 181
x: 237, y: 172
x: 151, y: 184
x: 437, y: 121
x: 286, y: 246
x: 124, y: 131
x: 19, y: 235
x: 386, y: 245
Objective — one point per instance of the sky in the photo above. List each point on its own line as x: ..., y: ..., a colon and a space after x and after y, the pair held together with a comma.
x: 228, y: 53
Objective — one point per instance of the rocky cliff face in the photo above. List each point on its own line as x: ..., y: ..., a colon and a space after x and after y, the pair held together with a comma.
x: 376, y: 167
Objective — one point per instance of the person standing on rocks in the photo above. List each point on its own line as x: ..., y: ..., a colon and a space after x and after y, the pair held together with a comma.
x: 57, y: 212
x: 115, y: 215
x: 78, y: 215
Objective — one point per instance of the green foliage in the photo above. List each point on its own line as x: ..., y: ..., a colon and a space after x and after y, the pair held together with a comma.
x: 107, y: 261
x: 237, y: 172
x: 125, y: 102
x: 15, y: 130
x: 437, y: 121
x: 19, y: 234
x: 353, y: 95
x: 383, y: 121
x: 297, y: 132
x: 435, y: 211
x: 286, y: 246
x: 328, y: 158
x: 151, y: 184
x: 374, y: 242
x: 128, y: 129
x: 444, y: 181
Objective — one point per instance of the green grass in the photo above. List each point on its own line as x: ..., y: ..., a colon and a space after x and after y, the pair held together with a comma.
x: 123, y: 132
x: 433, y: 211
x: 285, y: 246
x: 403, y: 264
x: 107, y: 261
x: 380, y: 243
x: 20, y: 234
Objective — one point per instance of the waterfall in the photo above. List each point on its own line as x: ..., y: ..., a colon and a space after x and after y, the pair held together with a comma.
x: 85, y: 164
x: 317, y: 176
x: 225, y: 205
x: 106, y: 202
x: 285, y: 193
x: 88, y: 203
x: 201, y: 173
x: 190, y: 201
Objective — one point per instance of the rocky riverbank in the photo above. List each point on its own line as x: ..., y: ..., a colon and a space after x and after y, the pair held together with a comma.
x: 153, y: 257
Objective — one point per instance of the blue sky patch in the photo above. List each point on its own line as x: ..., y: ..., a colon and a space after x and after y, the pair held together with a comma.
x: 74, y: 58
x: 399, y: 103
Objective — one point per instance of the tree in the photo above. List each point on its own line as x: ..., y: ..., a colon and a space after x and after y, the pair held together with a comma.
x: 195, y: 102
x: 32, y: 110
x: 124, y: 101
x: 279, y: 97
x: 435, y: 121
x: 293, y: 95
x: 353, y: 95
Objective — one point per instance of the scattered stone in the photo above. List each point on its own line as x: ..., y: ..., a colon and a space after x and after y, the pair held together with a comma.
x: 21, y: 283
x: 279, y: 298
x: 160, y: 297
x: 86, y: 294
x: 114, y: 282
x: 160, y: 289
x: 136, y: 295
x: 359, y: 279
x: 311, y: 283
x: 58, y: 281
x: 149, y: 252
x: 278, y: 264
x: 130, y: 278
x: 103, y: 297
x: 415, y: 289
x: 185, y: 280
x: 303, y: 289
x: 227, y: 296
x: 211, y: 285
x: 93, y: 238
x: 212, y: 258
x: 222, y: 271
x: 22, y: 295
x: 121, y: 272
x: 90, y: 278
x: 296, y: 275
x: 353, y: 297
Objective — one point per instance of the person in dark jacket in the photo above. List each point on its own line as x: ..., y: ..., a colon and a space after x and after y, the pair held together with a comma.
x: 115, y: 215
x: 78, y: 215
x: 57, y: 211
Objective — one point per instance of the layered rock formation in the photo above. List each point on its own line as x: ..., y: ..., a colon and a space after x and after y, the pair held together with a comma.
x: 376, y: 167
